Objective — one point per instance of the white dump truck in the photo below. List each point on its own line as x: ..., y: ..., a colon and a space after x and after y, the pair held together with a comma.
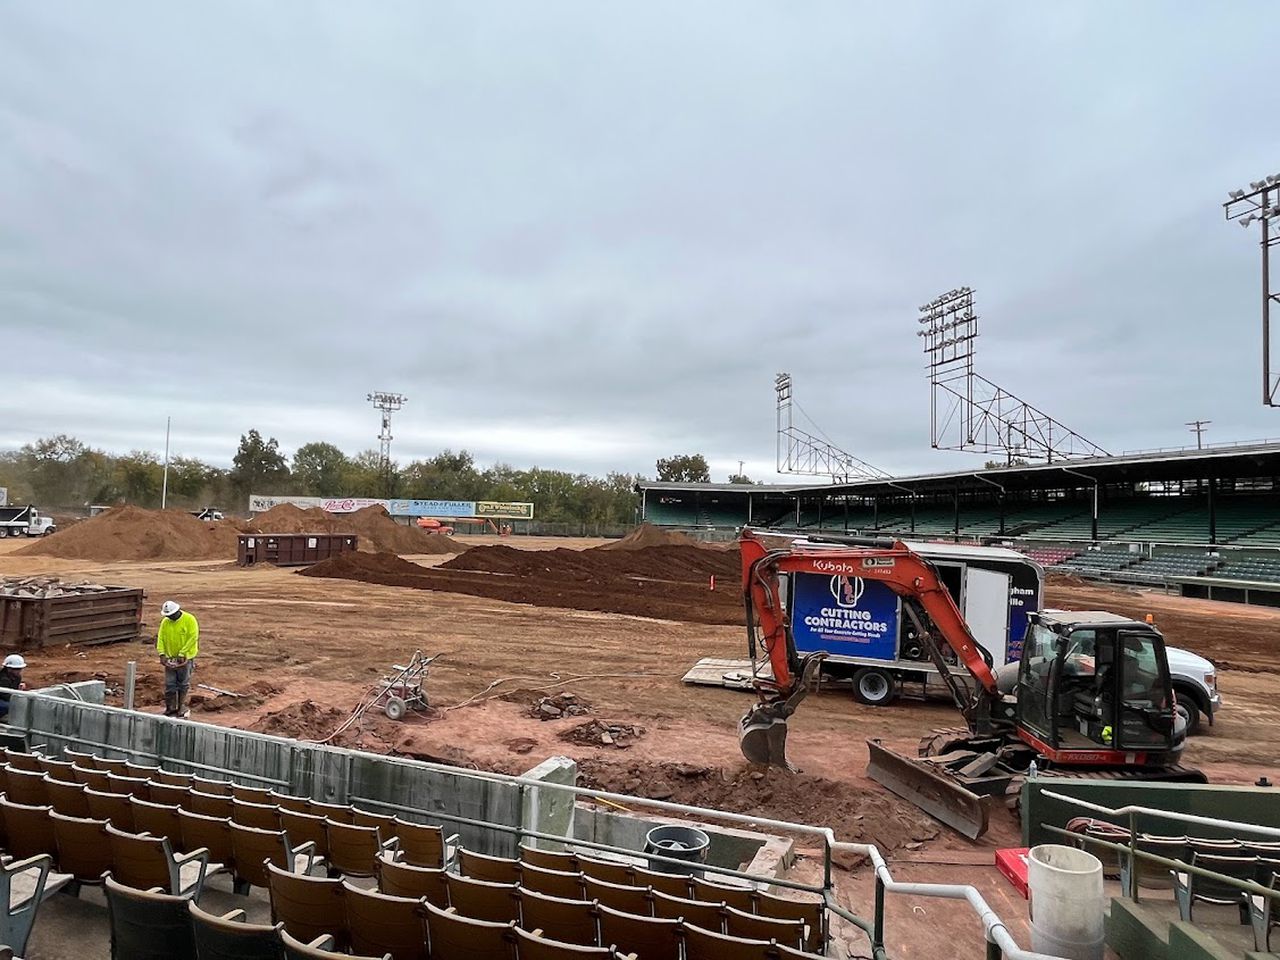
x: 24, y: 522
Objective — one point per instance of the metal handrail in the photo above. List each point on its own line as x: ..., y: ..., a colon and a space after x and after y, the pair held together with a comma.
x: 1134, y: 810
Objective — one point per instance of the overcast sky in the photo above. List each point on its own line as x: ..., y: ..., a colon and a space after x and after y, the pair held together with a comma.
x: 586, y: 235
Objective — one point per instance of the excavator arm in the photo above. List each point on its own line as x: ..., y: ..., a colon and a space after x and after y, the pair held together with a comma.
x: 926, y: 602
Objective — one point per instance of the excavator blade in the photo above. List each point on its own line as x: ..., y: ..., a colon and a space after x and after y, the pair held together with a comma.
x: 763, y: 739
x: 931, y: 789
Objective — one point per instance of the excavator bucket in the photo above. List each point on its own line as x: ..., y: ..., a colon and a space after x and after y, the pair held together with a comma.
x: 763, y: 739
x: 931, y: 788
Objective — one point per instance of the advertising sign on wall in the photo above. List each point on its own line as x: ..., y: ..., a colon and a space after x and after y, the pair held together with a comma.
x: 508, y: 511
x: 432, y: 508
x: 261, y: 504
x: 844, y: 615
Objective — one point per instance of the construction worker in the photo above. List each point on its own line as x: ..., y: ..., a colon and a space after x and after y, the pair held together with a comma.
x: 177, y: 642
x: 11, y: 679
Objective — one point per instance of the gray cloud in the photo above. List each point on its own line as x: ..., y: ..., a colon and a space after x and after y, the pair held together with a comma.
x: 586, y: 235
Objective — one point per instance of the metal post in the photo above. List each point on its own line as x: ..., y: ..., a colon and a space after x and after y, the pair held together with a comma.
x: 1095, y: 511
x: 130, y: 683
x: 957, y: 517
x: 877, y: 923
x: 1213, y: 512
x: 1266, y: 310
x: 797, y: 513
x: 1133, y: 856
x: 846, y: 513
x: 913, y: 512
x: 164, y: 487
x: 993, y: 951
x: 749, y: 510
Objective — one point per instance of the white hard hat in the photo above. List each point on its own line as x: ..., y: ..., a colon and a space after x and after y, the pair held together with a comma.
x: 14, y: 661
x: 169, y: 608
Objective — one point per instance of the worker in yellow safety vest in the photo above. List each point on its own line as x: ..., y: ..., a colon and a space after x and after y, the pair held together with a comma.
x: 177, y: 642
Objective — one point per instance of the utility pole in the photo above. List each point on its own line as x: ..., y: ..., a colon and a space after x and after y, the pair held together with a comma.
x: 164, y: 486
x: 1197, y: 427
x: 388, y: 403
x: 1260, y: 204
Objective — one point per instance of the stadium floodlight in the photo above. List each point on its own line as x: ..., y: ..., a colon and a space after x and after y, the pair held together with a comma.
x: 1261, y: 204
x: 800, y: 451
x: 388, y: 403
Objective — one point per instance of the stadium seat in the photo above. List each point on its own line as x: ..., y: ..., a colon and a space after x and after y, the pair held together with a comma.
x: 651, y: 938
x: 83, y: 848
x: 252, y: 849
x: 354, y: 851
x: 333, y: 811
x: 455, y: 937
x: 144, y: 771
x: 214, y: 788
x: 381, y: 924
x: 478, y: 866
x: 147, y: 924
x: 133, y: 786
x: 206, y: 833
x: 1190, y: 888
x: 561, y: 861
x: 96, y: 779
x: 309, y: 907
x: 252, y: 795
x: 304, y: 828
x: 173, y: 778
x: 67, y: 798
x: 482, y: 900
x: 384, y: 822
x: 286, y: 802
x: 750, y: 926
x: 169, y: 794
x: 26, y: 787
x: 211, y: 804
x: 321, y: 948
x: 811, y: 912
x: 422, y: 845
x: 553, y: 883
x: 29, y: 829
x: 116, y: 807
x: 738, y: 897
x: 258, y: 815
x: 570, y: 921
x: 702, y: 944
x: 58, y: 770
x: 146, y: 862
x: 702, y: 913
x: 86, y: 760
x: 610, y: 871
x: 228, y: 937
x: 158, y: 819
x: 620, y: 896
x: 672, y: 884
x: 531, y: 946
x: 18, y: 760
x: 405, y: 880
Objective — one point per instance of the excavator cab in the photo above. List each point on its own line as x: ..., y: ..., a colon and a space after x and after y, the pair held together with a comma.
x: 1094, y: 687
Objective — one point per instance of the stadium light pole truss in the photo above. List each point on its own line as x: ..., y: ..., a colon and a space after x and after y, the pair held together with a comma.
x: 1260, y: 203
x: 804, y: 453
x: 967, y: 411
x: 388, y: 403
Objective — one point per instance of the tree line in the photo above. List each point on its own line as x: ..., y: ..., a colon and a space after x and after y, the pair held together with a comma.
x: 63, y: 472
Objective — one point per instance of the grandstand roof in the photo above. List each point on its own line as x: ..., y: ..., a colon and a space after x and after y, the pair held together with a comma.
x: 1234, y: 461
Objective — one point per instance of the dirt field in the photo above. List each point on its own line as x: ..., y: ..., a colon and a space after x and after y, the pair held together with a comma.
x: 303, y: 650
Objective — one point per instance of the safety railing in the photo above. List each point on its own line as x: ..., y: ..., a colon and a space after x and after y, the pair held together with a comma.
x: 1131, y: 813
x: 999, y: 941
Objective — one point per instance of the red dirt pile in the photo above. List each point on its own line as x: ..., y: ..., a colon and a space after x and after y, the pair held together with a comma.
x: 378, y: 533
x: 647, y: 535
x: 668, y: 583
x: 132, y: 533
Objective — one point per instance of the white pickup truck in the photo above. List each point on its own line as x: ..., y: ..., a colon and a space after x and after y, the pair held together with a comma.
x: 24, y: 522
x: 1195, y: 682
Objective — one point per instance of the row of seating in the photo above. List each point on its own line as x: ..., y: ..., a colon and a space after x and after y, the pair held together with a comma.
x: 492, y: 918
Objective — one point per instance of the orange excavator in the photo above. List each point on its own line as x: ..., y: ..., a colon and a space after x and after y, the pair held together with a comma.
x: 1090, y: 693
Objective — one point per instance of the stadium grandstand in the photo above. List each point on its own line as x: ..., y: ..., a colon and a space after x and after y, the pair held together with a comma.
x: 1204, y: 520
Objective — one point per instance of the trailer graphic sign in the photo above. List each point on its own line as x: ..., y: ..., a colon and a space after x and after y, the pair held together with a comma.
x: 844, y: 615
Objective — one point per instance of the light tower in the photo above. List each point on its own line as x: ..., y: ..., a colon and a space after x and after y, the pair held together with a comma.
x: 388, y: 403
x: 1261, y: 204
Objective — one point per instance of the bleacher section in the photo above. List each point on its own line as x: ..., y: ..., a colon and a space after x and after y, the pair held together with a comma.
x: 1098, y: 561
x: 1256, y: 569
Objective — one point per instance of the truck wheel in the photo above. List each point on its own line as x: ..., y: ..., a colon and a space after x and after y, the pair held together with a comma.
x: 1190, y: 712
x: 873, y: 686
x: 4, y: 532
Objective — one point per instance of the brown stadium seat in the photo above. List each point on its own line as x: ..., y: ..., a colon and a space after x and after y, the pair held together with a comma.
x: 116, y: 807
x: 217, y: 788
x: 84, y: 849
x: 228, y: 937
x: 672, y: 884
x: 27, y: 787
x: 478, y: 866
x: 563, y: 861
x: 252, y: 795
x: 252, y: 849
x: 651, y: 938
x: 383, y: 821
x: 553, y: 883
x: 708, y: 916
x: 148, y: 924
x: 610, y: 871
x: 92, y: 777
x: 113, y: 765
x: 423, y: 845
x: 286, y: 802
x: 570, y: 921
x: 211, y: 804
x: 455, y: 937
x: 157, y: 819
x: 86, y: 760
x: 791, y: 953
x: 736, y: 896
x: 58, y: 769
x: 334, y: 811
x: 302, y: 827
x: 173, y: 778
x: 29, y: 829
x: 620, y: 896
x: 309, y: 907
x: 207, y: 833
x: 258, y: 815
x: 531, y: 946
x: 812, y: 912
x: 134, y: 786
x: 18, y: 760
x: 144, y: 771
x: 404, y: 880
x: 354, y: 851
x: 67, y: 798
x: 481, y: 900
x: 169, y: 794
x: 378, y: 924
x: 321, y: 948
x: 700, y: 944
x: 146, y: 862
x: 750, y: 926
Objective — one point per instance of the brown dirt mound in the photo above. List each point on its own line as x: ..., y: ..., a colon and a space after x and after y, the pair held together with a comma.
x: 872, y: 816
x: 132, y: 533
x: 647, y: 535
x: 378, y: 533
x: 668, y: 583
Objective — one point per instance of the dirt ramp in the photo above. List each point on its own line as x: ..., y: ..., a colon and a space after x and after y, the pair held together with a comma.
x: 647, y: 535
x: 132, y: 533
x: 378, y: 533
